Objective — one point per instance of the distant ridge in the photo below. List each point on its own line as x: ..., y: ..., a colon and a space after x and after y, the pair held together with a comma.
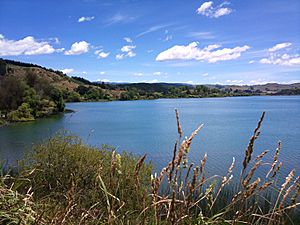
x: 114, y: 89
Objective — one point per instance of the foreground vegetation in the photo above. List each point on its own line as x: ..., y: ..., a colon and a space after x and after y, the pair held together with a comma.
x: 64, y: 181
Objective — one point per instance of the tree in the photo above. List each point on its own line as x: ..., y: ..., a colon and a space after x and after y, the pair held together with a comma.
x: 3, y: 67
x: 12, y: 91
x: 56, y: 96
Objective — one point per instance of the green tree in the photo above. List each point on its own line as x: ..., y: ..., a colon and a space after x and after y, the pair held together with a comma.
x: 12, y: 91
x: 23, y: 113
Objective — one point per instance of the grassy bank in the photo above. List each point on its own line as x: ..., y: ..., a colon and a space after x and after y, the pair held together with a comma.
x: 63, y: 181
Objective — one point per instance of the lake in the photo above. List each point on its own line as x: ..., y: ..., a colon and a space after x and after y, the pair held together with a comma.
x: 150, y: 127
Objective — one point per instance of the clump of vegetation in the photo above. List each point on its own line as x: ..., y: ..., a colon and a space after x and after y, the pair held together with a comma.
x: 25, y: 100
x: 71, y: 183
x: 16, y: 208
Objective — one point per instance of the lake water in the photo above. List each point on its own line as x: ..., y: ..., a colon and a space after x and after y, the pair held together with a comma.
x: 150, y: 127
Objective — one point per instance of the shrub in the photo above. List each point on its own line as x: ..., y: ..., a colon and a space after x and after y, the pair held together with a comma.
x: 67, y: 175
x: 23, y: 113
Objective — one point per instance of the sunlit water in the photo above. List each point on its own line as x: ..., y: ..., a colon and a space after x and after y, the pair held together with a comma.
x: 150, y: 127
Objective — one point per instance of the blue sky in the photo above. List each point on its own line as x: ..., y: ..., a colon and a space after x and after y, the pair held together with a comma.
x: 199, y: 42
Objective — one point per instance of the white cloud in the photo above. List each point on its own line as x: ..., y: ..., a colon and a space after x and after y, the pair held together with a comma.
x: 261, y: 81
x: 102, y: 72
x: 282, y: 59
x: 127, y: 51
x: 211, y: 53
x: 235, y: 81
x: 189, y: 82
x: 78, y: 48
x: 222, y: 12
x: 157, y: 73
x: 153, y: 81
x: 138, y: 74
x: 251, y: 61
x: 120, y: 56
x: 279, y: 46
x: 127, y: 39
x: 67, y: 71
x: 25, y: 46
x: 204, y: 7
x: 127, y: 48
x: 207, y: 9
x: 101, y: 54
x: 85, y: 19
x: 103, y: 80
x: 205, y: 75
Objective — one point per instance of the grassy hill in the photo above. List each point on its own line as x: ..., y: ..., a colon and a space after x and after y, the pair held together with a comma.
x: 29, y: 91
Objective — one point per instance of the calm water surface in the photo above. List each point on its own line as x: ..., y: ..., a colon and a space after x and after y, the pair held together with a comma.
x: 150, y: 127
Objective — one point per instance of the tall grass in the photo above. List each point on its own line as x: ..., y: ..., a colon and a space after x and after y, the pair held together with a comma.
x: 64, y: 181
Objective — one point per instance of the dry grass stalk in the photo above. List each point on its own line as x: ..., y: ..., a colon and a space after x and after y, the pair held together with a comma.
x: 251, y: 173
x: 261, y: 155
x: 288, y: 191
x: 113, y: 163
x: 249, y: 150
x: 173, y: 163
x: 275, y: 160
x: 178, y: 124
x: 137, y: 169
x: 276, y: 170
x: 185, y: 145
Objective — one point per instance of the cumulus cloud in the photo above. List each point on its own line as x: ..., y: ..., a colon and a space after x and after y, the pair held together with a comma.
x: 25, y: 46
x: 207, y: 9
x: 211, y: 53
x: 85, y: 19
x: 279, y: 46
x: 278, y: 56
x: 101, y: 54
x: 78, y: 48
x: 67, y: 71
x: 126, y: 51
x: 283, y: 60
x: 102, y: 72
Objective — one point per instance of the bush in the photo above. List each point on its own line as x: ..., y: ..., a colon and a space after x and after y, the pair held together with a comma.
x: 67, y: 174
x: 23, y: 113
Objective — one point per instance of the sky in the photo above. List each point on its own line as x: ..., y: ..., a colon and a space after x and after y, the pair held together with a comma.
x: 191, y: 41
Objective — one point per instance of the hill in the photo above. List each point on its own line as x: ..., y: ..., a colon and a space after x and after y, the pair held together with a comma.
x: 29, y: 91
